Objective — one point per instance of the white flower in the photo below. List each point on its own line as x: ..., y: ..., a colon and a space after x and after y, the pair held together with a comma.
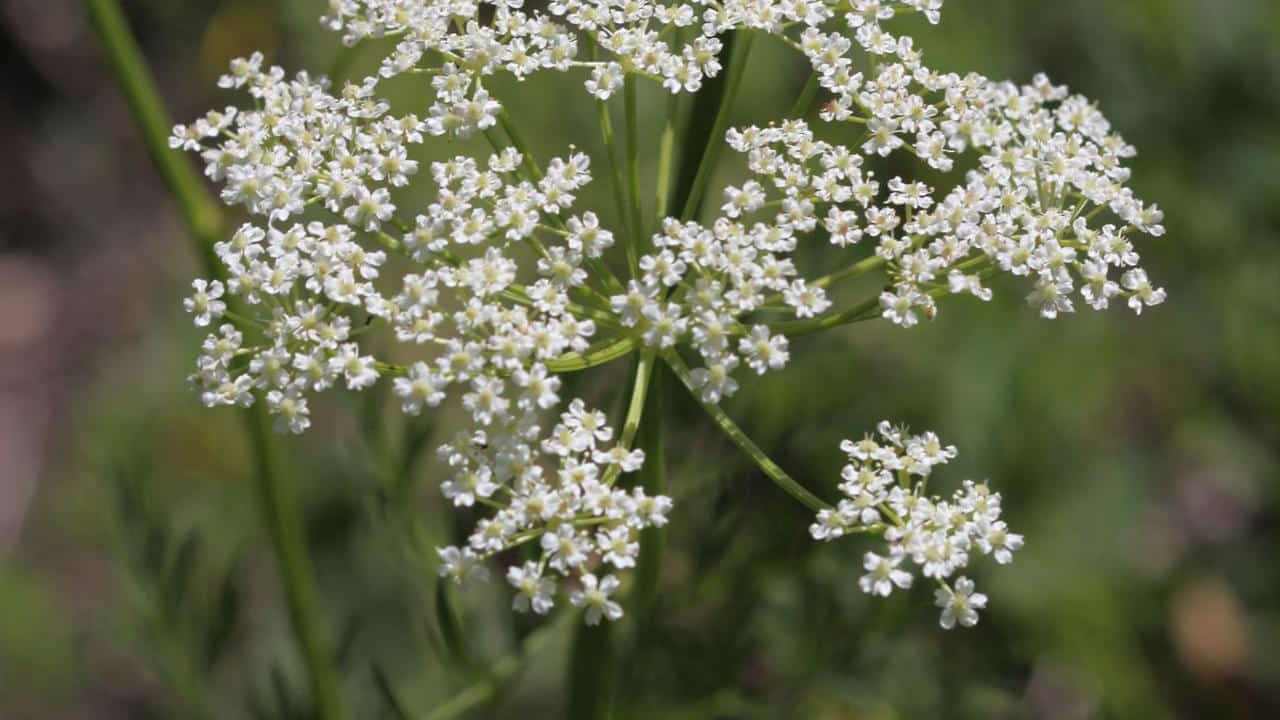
x: 460, y: 564
x: 205, y: 303
x: 618, y: 547
x: 420, y: 387
x: 594, y: 598
x: 1135, y: 281
x: 566, y: 547
x: 959, y: 605
x: 532, y: 590
x: 994, y: 539
x: 716, y: 379
x: 883, y: 574
x: 359, y: 370
x: 763, y: 350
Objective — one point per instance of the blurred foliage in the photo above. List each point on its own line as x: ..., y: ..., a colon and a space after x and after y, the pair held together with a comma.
x: 1138, y: 455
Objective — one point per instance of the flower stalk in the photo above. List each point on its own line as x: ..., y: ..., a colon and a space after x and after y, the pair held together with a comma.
x: 711, y: 152
x: 744, y: 443
x: 203, y: 219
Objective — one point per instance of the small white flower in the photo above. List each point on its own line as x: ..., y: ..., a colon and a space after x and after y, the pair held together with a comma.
x: 959, y: 605
x: 883, y: 574
x: 205, y: 303
x: 594, y: 599
x: 460, y: 564
x: 532, y: 590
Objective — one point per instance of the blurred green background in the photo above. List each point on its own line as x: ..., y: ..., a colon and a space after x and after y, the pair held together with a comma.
x: 1139, y: 455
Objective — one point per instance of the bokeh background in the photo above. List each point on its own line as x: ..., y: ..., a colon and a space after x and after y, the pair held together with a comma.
x: 1139, y: 456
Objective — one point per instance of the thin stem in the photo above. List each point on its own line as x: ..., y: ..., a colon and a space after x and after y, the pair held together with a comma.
x: 619, y: 184
x: 744, y: 443
x: 862, y: 311
x: 204, y: 222
x: 630, y: 100
x: 666, y: 156
x: 653, y: 478
x: 804, y: 100
x: 598, y: 354
x: 861, y: 267
x: 529, y: 160
x: 533, y: 172
x: 711, y: 153
x: 635, y: 410
x: 200, y: 212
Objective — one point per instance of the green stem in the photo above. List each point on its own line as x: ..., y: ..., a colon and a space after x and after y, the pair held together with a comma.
x: 861, y: 267
x: 630, y: 101
x: 534, y: 174
x: 592, y: 659
x: 862, y: 311
x: 653, y: 478
x: 619, y: 184
x: 283, y: 516
x: 666, y: 155
x: 744, y: 443
x: 635, y: 410
x: 529, y: 160
x: 204, y: 222
x: 804, y: 100
x: 592, y: 665
x: 711, y: 153
x: 598, y: 354
x: 199, y: 211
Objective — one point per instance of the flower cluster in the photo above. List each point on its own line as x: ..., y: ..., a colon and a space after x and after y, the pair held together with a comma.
x: 575, y: 513
x: 884, y: 485
x: 315, y: 282
x: 1047, y: 164
x: 498, y: 283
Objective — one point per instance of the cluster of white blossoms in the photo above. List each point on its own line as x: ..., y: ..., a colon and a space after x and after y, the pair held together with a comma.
x: 884, y: 485
x: 497, y: 283
x: 576, y: 513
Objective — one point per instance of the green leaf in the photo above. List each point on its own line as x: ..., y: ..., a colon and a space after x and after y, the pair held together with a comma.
x: 447, y: 622
x: 388, y: 693
x: 226, y: 614
x: 181, y: 570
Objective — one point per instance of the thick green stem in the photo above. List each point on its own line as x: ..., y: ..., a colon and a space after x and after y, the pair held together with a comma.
x: 283, y: 516
x: 711, y: 153
x: 593, y: 659
x: 739, y: 438
x: 653, y: 478
x: 204, y: 222
x: 592, y: 672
